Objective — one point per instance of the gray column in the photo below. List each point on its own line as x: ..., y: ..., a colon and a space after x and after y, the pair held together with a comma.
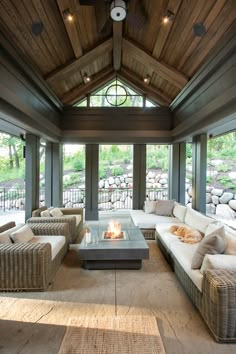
x: 53, y: 174
x: 31, y: 174
x: 177, y: 172
x: 199, y: 161
x: 91, y: 182
x: 139, y: 176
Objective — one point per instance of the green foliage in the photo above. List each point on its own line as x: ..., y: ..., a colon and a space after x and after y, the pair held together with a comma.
x: 117, y: 170
x: 208, y: 180
x: 73, y: 179
x: 223, y: 168
x: 227, y: 182
x: 103, y: 172
x: 78, y: 165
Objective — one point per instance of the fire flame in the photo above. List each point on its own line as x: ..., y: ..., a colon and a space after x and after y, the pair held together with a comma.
x: 114, y: 229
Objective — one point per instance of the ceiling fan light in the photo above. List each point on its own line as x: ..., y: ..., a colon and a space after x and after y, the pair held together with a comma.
x: 67, y: 15
x: 118, y: 10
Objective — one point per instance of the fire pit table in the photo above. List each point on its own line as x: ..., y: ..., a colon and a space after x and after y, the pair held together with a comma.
x: 124, y: 250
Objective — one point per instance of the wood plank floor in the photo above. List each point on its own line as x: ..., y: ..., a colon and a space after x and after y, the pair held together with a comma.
x: 35, y: 322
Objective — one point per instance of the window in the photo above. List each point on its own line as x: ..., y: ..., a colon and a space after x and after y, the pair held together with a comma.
x: 116, y: 94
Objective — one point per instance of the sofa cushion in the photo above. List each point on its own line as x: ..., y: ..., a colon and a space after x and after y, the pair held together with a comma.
x: 184, y: 253
x: 196, y: 220
x: 165, y: 235
x: 179, y: 211
x: 56, y: 212
x: 164, y: 207
x: 45, y: 213
x: 149, y: 221
x: 5, y: 235
x: 214, y: 243
x: 24, y: 234
x: 56, y: 242
x: 150, y: 206
x: 218, y: 261
x: 77, y: 218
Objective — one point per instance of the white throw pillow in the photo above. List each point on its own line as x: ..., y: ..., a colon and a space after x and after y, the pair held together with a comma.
x: 5, y: 235
x: 24, y: 234
x: 196, y: 220
x: 45, y: 213
x: 179, y: 211
x: 218, y: 261
x: 150, y: 206
x: 56, y: 212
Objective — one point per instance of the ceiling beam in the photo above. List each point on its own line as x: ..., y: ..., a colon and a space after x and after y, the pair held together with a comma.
x: 78, y: 64
x: 159, y: 97
x: 165, y: 71
x: 71, y: 29
x: 82, y: 90
x: 117, y: 44
x: 173, y: 6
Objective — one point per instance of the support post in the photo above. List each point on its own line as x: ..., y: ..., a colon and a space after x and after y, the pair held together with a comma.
x: 139, y: 176
x: 91, y: 182
x: 31, y: 174
x: 177, y: 172
x: 199, y: 162
x: 53, y: 174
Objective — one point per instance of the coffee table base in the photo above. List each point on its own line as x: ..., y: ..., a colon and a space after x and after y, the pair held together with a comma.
x: 112, y: 264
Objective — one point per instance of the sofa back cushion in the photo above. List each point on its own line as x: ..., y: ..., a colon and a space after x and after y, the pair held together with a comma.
x: 150, y: 206
x: 24, y: 234
x: 196, y: 220
x: 230, y: 236
x: 179, y: 211
x: 5, y: 235
x: 45, y: 213
x: 37, y: 212
x: 164, y: 207
x: 218, y: 261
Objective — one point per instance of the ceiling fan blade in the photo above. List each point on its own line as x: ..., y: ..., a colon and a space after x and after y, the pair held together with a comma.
x: 107, y: 27
x: 87, y: 2
x: 138, y: 16
x: 104, y: 22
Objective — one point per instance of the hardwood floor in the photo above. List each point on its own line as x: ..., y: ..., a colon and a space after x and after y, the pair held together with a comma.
x: 35, y: 322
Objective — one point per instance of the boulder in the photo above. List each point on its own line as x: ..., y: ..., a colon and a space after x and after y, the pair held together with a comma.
x: 111, y: 180
x: 215, y: 199
x: 232, y: 175
x: 223, y: 211
x: 226, y: 197
x: 210, y: 208
x: 101, y: 183
x: 232, y: 204
x: 190, y: 191
x: 122, y: 179
x: 163, y: 181
x: 217, y: 191
x: 216, y: 162
x: 117, y: 181
x: 107, y: 185
x: 149, y: 185
x: 128, y: 180
x: 208, y: 198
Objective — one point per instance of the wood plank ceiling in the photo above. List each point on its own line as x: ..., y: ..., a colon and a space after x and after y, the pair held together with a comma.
x: 65, y: 52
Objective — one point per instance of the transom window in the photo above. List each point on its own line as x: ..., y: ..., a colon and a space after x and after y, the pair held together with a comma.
x: 115, y: 94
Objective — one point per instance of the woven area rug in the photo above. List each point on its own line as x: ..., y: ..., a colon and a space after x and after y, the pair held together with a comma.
x: 112, y: 335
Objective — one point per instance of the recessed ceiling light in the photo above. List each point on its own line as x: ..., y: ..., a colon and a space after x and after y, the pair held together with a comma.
x: 87, y: 78
x: 67, y: 15
x: 146, y: 79
x: 199, y: 29
x: 37, y: 28
x: 168, y: 17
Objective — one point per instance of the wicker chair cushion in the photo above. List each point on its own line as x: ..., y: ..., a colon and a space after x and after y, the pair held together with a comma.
x: 56, y: 242
x: 218, y: 261
x: 56, y: 212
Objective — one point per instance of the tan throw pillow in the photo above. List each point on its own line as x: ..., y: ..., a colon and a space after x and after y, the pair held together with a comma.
x: 213, y: 243
x: 56, y: 212
x: 24, y: 234
x: 45, y: 213
x: 164, y: 207
x: 150, y: 206
x: 5, y: 235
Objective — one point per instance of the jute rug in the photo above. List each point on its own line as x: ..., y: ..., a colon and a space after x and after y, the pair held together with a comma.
x: 112, y: 335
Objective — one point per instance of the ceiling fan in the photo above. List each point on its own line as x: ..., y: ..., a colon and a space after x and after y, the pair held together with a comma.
x: 118, y: 10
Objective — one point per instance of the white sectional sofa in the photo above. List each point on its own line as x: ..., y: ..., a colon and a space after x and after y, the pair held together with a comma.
x: 212, y: 288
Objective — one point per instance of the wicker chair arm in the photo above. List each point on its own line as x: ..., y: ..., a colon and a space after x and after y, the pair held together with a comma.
x: 25, y: 266
x: 7, y: 226
x: 219, y: 303
x: 51, y: 229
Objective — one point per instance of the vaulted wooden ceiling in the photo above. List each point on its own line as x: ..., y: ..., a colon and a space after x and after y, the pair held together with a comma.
x: 65, y: 52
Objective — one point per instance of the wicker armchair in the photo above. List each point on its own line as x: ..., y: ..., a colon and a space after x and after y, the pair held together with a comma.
x: 68, y: 217
x: 29, y: 266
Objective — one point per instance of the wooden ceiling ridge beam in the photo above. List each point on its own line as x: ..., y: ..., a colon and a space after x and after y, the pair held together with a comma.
x: 82, y: 90
x: 71, y: 29
x: 117, y: 44
x: 78, y: 64
x: 165, y: 71
x: 158, y: 96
